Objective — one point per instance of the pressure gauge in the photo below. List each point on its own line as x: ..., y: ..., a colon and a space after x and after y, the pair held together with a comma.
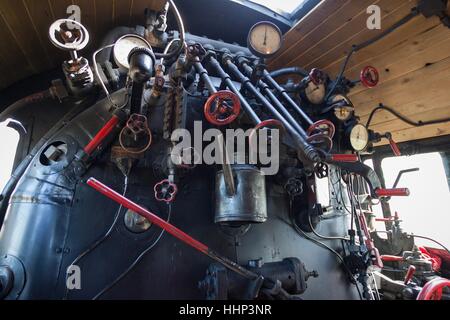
x: 359, y: 137
x: 123, y: 47
x: 264, y: 39
x: 343, y: 108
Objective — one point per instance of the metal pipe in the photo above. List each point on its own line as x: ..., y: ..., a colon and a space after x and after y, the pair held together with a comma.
x: 248, y: 70
x: 169, y: 228
x: 227, y: 80
x: 226, y: 167
x: 272, y: 83
x: 310, y: 153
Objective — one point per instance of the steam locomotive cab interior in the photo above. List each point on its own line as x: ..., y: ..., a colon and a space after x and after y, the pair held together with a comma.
x: 226, y: 149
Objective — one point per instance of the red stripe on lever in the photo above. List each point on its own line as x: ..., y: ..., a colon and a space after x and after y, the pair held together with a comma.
x: 101, y: 135
x: 177, y: 233
x: 344, y: 157
x: 399, y: 192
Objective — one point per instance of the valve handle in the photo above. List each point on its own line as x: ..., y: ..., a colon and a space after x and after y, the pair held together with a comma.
x: 432, y: 290
x: 322, y: 126
x: 165, y: 191
x: 397, y: 192
x: 343, y: 158
x: 218, y: 111
x: 410, y: 274
x: 369, y: 77
x: 394, y: 147
x: 389, y: 258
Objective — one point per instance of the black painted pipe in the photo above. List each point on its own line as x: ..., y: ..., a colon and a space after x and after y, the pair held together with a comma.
x: 272, y: 83
x: 227, y: 80
x: 248, y: 71
x: 304, y: 146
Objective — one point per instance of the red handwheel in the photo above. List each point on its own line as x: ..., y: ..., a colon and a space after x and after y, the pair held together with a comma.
x: 432, y: 290
x: 369, y: 77
x: 322, y: 127
x: 222, y: 108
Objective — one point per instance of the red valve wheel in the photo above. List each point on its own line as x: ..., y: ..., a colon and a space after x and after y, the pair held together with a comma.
x: 321, y: 127
x: 269, y: 124
x: 218, y: 111
x: 165, y: 191
x: 432, y: 290
x: 369, y: 77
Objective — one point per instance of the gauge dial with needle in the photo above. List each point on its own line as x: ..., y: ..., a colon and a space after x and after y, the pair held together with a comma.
x: 359, y: 137
x: 264, y: 39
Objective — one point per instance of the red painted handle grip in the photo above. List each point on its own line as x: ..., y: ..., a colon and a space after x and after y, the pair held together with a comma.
x: 395, y: 148
x: 101, y: 135
x: 410, y: 274
x: 344, y: 157
x: 399, y: 192
x: 388, y: 258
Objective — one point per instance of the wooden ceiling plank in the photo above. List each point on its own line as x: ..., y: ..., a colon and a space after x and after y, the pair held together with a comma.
x: 15, y: 63
x: 338, y: 47
x: 122, y: 12
x: 410, y: 109
x: 21, y: 28
x: 428, y: 81
x: 390, y: 43
x: 313, y: 20
x: 431, y: 48
x: 412, y: 134
x: 343, y: 24
x: 104, y: 20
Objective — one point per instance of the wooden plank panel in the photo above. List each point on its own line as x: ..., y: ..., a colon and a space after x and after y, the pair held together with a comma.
x: 426, y: 82
x: 21, y: 27
x: 398, y: 125
x: 390, y: 43
x: 308, y: 24
x: 105, y: 19
x: 427, y: 48
x: 412, y: 134
x: 344, y: 24
x: 122, y: 12
x: 412, y: 109
x: 355, y: 32
x: 15, y: 63
x: 40, y: 15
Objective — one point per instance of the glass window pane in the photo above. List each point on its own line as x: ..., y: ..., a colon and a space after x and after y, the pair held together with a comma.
x: 287, y: 6
x: 426, y: 211
x: 10, y: 140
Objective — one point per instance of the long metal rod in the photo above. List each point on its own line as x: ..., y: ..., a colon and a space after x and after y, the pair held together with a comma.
x: 271, y: 81
x: 248, y: 70
x: 227, y: 80
x: 310, y: 153
x: 169, y: 228
x: 226, y: 167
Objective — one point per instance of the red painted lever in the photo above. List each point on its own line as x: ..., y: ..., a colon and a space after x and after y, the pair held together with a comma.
x: 398, y: 192
x: 101, y: 135
x: 394, y: 147
x: 410, y: 274
x: 169, y: 228
x: 388, y: 258
x: 343, y: 158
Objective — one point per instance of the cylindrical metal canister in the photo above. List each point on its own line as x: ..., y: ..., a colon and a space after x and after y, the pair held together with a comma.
x: 248, y: 204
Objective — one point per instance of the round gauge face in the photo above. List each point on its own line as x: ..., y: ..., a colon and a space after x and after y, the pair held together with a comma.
x: 315, y: 93
x: 264, y: 39
x: 359, y: 137
x: 123, y: 47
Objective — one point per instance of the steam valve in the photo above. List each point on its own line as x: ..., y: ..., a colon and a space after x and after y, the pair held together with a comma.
x: 369, y: 77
